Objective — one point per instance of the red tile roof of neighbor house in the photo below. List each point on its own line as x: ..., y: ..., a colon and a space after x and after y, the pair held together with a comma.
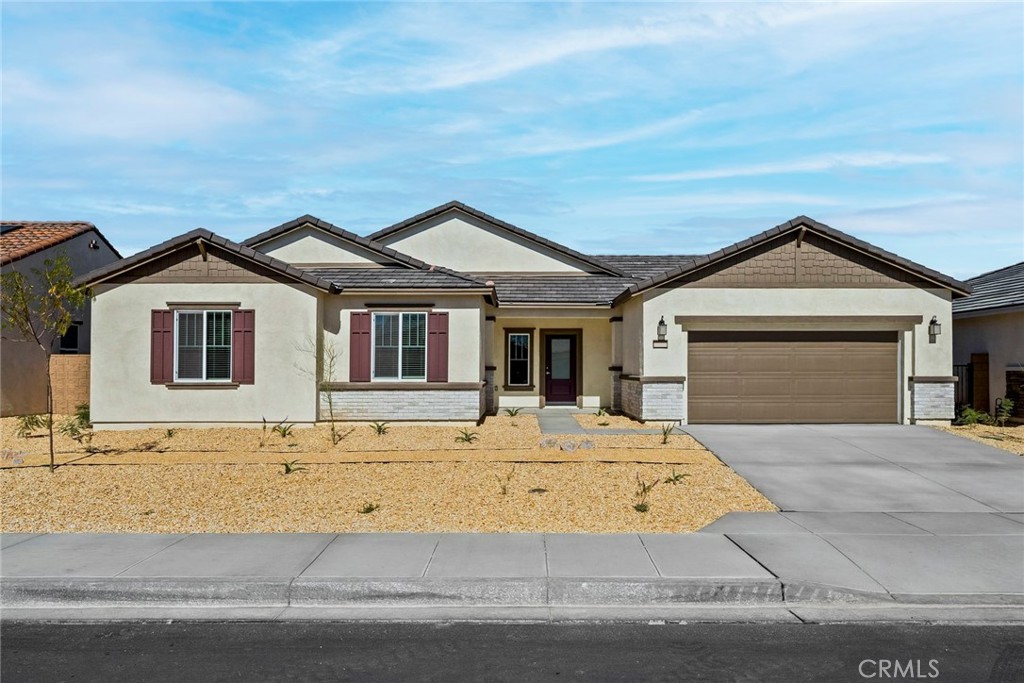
x: 19, y: 239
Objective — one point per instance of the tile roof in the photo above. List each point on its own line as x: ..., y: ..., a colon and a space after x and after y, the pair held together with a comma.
x: 596, y: 290
x: 642, y: 266
x: 392, y: 278
x: 203, y: 235
x: 19, y: 239
x: 997, y: 289
x: 958, y: 287
x: 498, y: 223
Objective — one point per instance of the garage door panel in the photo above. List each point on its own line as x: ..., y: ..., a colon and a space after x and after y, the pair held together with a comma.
x: 792, y: 377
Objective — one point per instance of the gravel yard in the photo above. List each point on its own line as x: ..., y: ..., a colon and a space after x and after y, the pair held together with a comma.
x: 591, y: 421
x: 1009, y: 438
x: 232, y: 480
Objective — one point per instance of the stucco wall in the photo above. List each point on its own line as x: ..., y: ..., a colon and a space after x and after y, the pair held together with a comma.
x: 920, y: 356
x: 1001, y: 337
x: 121, y: 393
x: 465, y: 328
x: 596, y: 341
x: 23, y: 365
x: 466, y: 244
x: 313, y: 246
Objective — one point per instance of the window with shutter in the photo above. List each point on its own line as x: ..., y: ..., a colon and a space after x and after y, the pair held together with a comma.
x: 202, y: 346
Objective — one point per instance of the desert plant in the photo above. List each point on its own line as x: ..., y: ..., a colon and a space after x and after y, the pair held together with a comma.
x: 603, y: 424
x: 537, y: 490
x: 643, y: 489
x: 601, y: 412
x: 466, y: 436
x: 512, y: 412
x: 368, y: 508
x: 505, y: 481
x: 263, y: 433
x: 170, y: 433
x: 666, y: 431
x: 283, y: 430
x: 39, y: 312
x: 380, y: 428
x: 675, y: 478
x: 82, y: 415
x: 970, y: 416
x: 292, y: 466
x: 1004, y: 411
x: 27, y: 424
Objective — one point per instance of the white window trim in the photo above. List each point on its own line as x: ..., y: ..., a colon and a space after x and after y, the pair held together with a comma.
x: 231, y: 347
x: 373, y: 347
x: 529, y: 359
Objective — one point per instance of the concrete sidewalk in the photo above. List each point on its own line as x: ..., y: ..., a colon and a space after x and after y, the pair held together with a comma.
x: 746, y: 566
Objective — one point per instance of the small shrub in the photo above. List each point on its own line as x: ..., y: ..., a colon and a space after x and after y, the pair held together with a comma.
x: 601, y: 412
x: 71, y: 428
x: 603, y: 424
x: 466, y: 436
x: 537, y: 490
x: 169, y: 434
x: 970, y: 416
x: 283, y: 430
x: 82, y: 415
x: 380, y: 428
x: 675, y: 478
x: 30, y: 423
x: 666, y: 431
x: 292, y: 466
x: 368, y: 508
x: 505, y: 481
x: 512, y: 412
x: 643, y: 489
x: 263, y: 433
x: 1004, y: 411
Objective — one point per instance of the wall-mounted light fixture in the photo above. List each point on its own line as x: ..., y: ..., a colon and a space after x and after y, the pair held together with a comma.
x: 661, y: 342
x: 934, y: 328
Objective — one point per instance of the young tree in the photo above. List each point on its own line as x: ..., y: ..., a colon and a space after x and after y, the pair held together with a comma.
x: 39, y: 311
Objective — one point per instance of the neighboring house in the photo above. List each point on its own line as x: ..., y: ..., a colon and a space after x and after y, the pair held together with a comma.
x: 24, y: 246
x: 453, y: 314
x: 988, y: 340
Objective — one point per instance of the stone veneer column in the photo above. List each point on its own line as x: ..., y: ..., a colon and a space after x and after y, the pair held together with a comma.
x: 616, y: 367
x: 490, y: 368
x: 933, y: 399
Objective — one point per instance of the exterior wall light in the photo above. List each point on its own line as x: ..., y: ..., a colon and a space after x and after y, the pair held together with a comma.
x: 934, y: 328
x: 661, y: 342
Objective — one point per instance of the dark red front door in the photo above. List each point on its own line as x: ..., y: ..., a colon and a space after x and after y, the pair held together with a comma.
x: 560, y: 368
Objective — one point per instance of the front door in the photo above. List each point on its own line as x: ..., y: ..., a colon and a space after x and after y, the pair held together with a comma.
x: 560, y: 368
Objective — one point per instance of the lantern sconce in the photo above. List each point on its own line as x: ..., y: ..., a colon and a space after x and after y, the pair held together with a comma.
x: 934, y: 329
x: 661, y: 342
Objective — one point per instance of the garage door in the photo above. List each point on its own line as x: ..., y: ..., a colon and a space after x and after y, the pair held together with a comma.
x: 827, y: 377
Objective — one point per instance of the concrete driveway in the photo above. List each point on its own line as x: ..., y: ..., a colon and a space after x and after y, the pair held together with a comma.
x: 869, y: 468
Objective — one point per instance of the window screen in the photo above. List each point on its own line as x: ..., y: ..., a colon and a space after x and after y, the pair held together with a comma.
x: 518, y: 359
x: 203, y: 346
x: 400, y: 345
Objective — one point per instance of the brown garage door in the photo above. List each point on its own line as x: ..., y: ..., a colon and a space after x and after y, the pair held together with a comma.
x: 825, y: 377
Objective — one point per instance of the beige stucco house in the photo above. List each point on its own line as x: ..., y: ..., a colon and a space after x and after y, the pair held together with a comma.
x: 988, y: 340
x: 453, y: 314
x: 25, y: 246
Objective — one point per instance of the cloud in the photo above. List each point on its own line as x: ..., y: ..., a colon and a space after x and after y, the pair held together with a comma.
x: 808, y: 165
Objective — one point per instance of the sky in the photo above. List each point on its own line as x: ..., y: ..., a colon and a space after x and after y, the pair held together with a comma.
x: 611, y: 128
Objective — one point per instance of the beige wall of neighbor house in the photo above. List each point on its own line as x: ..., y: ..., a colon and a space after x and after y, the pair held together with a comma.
x: 461, y: 242
x: 465, y: 327
x: 23, y: 364
x: 688, y: 308
x: 1001, y: 336
x: 284, y: 388
x: 596, y: 339
x: 309, y: 245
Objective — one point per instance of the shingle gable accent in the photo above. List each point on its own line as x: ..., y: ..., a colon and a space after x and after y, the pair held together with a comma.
x: 800, y: 223
x: 501, y: 225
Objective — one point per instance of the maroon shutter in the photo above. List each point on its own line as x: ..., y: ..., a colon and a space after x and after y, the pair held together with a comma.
x: 437, y: 347
x: 359, y: 348
x: 161, y: 347
x: 243, y: 347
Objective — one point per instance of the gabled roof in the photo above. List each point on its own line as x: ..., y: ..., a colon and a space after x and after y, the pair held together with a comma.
x: 19, y: 239
x: 501, y: 225
x: 643, y: 266
x: 997, y: 289
x: 351, y: 237
x: 586, y: 290
x: 799, y: 223
x: 394, y: 278
x: 203, y: 236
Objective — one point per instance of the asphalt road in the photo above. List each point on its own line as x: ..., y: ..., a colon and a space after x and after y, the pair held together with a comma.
x: 323, y: 651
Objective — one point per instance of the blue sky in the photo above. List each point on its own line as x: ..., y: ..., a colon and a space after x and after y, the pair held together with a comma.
x: 660, y: 128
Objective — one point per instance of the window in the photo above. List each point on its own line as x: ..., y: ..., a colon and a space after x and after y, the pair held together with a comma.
x: 400, y: 346
x: 69, y: 340
x: 202, y: 346
x: 517, y: 369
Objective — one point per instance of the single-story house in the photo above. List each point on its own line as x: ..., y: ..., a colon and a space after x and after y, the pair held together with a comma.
x: 988, y: 340
x: 26, y: 246
x: 453, y: 314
